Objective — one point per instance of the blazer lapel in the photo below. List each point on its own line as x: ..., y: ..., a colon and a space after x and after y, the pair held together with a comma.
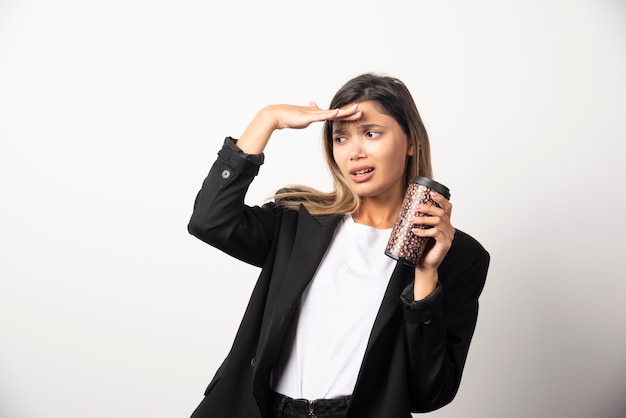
x: 313, y: 236
x: 312, y: 239
x: 401, y: 277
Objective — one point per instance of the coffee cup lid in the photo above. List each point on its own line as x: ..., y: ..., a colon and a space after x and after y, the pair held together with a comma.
x: 432, y: 184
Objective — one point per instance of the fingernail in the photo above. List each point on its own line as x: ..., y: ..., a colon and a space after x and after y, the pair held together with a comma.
x: 434, y: 193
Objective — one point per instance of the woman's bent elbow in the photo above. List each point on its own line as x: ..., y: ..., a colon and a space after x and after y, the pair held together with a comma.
x: 204, y: 231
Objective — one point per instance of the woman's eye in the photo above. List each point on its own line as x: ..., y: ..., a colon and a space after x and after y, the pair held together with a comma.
x: 340, y: 139
x: 372, y: 134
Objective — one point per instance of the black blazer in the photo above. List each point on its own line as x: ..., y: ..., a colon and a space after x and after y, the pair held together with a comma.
x: 416, y: 351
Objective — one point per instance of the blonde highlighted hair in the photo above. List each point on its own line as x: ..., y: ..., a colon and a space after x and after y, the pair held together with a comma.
x: 391, y: 97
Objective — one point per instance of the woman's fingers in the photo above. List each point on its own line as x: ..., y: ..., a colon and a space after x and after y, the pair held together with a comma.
x: 434, y: 222
x: 348, y: 113
x: 442, y: 234
x: 442, y: 201
x: 297, y: 117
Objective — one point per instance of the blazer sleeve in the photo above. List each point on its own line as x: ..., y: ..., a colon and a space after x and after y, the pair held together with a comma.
x: 439, y: 328
x: 222, y: 219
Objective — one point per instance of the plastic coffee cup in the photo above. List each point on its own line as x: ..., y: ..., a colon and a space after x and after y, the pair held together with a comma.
x: 404, y: 245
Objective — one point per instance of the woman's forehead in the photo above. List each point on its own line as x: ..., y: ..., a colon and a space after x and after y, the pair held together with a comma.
x: 371, y: 116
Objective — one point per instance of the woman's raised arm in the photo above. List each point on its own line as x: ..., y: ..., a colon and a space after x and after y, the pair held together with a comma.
x: 273, y: 117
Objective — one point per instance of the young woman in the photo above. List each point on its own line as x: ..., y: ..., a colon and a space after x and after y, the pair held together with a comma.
x: 334, y: 327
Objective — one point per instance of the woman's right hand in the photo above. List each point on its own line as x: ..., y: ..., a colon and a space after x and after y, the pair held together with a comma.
x: 272, y: 117
x: 299, y: 117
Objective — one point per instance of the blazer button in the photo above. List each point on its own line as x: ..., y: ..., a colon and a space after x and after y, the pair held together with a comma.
x: 252, y: 361
x: 225, y: 174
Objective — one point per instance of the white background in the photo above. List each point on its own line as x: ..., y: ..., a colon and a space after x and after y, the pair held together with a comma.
x: 111, y: 113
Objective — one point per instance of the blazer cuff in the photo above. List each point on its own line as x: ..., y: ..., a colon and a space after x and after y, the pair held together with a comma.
x: 244, y: 163
x: 420, y: 311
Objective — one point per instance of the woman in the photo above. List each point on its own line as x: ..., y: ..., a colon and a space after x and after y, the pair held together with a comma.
x: 335, y: 328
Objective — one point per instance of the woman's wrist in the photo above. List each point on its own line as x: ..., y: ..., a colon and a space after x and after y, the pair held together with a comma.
x: 257, y: 134
x: 425, y: 283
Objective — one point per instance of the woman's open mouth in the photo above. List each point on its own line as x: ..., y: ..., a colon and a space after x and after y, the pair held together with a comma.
x: 361, y: 174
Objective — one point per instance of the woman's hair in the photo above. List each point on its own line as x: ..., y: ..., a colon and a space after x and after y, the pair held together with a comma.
x: 391, y: 97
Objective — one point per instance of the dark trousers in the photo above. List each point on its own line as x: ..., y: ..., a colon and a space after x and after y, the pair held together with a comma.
x: 282, y: 406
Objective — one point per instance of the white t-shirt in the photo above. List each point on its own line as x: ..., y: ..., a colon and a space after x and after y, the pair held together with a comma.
x: 324, y: 349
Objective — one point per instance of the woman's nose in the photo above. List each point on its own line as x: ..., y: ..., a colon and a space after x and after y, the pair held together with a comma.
x: 356, y: 150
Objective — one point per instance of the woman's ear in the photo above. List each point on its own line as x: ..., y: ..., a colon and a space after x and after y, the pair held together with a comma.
x: 410, y: 151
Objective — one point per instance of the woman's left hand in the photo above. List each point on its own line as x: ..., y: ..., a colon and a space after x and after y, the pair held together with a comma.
x: 440, y: 229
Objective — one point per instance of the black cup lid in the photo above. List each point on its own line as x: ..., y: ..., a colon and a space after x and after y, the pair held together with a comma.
x: 432, y: 184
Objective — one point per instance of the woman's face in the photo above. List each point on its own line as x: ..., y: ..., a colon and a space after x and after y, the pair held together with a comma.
x: 371, y: 153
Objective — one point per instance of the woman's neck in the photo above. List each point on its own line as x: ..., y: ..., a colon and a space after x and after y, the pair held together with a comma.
x: 377, y: 214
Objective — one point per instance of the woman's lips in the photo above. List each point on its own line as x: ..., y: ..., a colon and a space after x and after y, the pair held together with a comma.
x: 361, y: 174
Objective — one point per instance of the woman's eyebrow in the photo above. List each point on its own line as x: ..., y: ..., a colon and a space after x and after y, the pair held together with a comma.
x: 338, y: 127
x: 370, y: 126
x: 338, y: 130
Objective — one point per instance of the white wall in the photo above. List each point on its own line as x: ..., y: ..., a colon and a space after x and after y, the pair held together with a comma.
x: 112, y: 112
